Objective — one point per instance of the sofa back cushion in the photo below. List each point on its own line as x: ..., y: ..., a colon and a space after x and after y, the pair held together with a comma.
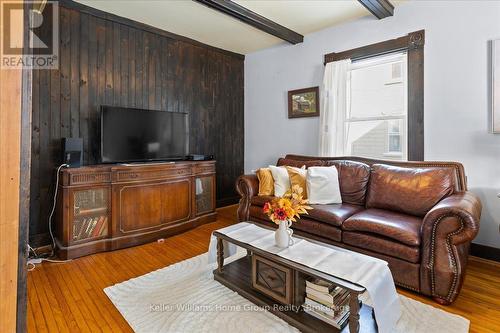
x: 412, y: 191
x: 353, y: 180
x: 298, y: 163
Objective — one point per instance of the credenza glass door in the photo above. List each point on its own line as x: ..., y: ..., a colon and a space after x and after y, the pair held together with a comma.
x: 90, y: 214
x: 204, y: 194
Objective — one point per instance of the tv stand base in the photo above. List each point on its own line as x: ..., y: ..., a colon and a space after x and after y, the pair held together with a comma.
x: 108, y: 207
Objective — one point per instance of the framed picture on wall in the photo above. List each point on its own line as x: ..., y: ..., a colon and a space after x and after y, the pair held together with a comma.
x: 303, y: 102
x: 495, y: 62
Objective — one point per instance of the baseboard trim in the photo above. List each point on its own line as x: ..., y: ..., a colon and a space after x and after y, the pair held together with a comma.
x: 485, y: 252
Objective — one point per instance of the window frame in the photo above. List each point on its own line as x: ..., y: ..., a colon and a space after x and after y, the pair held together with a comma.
x: 413, y: 44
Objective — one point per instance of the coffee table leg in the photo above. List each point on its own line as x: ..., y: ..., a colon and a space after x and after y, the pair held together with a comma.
x: 354, y: 313
x: 220, y: 255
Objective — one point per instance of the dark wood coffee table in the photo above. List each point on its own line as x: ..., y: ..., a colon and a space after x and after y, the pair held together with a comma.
x: 278, y: 284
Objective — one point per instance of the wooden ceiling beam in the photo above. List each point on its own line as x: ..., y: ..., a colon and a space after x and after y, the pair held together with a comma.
x: 379, y: 8
x: 255, y: 20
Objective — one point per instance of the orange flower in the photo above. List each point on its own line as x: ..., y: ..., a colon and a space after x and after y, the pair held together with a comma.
x: 289, y: 207
x: 280, y: 214
x: 266, y: 208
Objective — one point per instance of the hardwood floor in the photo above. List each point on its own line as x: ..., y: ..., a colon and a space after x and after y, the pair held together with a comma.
x: 69, y: 297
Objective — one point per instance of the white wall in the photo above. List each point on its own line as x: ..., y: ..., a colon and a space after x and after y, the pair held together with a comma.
x: 457, y: 91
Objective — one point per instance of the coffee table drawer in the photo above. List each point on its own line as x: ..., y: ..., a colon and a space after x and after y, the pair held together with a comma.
x: 272, y: 279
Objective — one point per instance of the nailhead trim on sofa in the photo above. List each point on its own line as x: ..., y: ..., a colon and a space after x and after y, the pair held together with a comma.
x: 452, y: 256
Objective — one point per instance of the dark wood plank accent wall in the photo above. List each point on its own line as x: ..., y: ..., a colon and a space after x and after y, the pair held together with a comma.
x: 109, y: 60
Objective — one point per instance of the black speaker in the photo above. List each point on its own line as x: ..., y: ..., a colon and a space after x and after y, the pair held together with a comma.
x: 72, y: 149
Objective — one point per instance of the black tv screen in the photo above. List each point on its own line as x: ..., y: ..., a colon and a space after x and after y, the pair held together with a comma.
x: 133, y: 135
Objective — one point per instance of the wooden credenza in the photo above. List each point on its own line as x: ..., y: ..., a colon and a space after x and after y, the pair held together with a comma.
x: 108, y: 207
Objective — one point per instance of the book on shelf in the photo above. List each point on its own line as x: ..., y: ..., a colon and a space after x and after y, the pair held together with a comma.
x: 336, y: 317
x: 338, y: 322
x: 90, y: 211
x: 327, y: 302
x: 104, y: 228
x: 329, y: 310
x: 328, y: 298
x: 98, y: 226
x: 320, y: 285
x: 89, y: 227
x: 83, y: 226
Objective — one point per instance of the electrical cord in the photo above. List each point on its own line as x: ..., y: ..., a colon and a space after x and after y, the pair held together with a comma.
x: 32, y: 250
x: 54, y: 208
x: 37, y: 260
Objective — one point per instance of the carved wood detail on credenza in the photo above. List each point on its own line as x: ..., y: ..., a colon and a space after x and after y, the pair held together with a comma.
x: 107, y: 207
x: 87, y: 178
x: 142, y: 175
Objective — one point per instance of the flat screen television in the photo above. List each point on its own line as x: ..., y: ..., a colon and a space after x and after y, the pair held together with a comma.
x: 137, y: 135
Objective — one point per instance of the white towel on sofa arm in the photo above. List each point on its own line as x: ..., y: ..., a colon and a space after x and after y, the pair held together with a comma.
x: 369, y: 272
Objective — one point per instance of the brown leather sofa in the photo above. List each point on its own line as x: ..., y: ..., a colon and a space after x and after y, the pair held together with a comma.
x: 417, y: 216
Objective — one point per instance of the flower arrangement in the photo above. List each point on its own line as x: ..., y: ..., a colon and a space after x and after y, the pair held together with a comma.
x: 287, y: 208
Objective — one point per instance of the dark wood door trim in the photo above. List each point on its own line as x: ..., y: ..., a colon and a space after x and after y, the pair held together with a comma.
x: 379, y: 8
x: 24, y: 183
x: 413, y: 43
x: 257, y: 21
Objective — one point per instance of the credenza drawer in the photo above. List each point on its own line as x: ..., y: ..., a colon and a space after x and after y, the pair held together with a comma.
x: 133, y: 175
x: 204, y: 168
x: 272, y: 279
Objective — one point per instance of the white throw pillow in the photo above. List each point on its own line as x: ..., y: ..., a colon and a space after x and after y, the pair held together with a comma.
x: 281, y: 179
x: 323, y: 185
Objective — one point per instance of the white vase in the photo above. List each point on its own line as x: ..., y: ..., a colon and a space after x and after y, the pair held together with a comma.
x: 283, y: 235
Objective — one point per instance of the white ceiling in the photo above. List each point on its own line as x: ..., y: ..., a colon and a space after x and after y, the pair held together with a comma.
x: 196, y: 21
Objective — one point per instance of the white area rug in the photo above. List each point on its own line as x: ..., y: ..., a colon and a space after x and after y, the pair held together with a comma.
x: 184, y: 298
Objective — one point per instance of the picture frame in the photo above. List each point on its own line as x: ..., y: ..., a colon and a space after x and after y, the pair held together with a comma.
x: 303, y: 102
x: 495, y: 84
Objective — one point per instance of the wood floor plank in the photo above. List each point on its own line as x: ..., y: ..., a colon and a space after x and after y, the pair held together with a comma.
x: 74, y: 290
x: 31, y: 319
x: 39, y: 312
x: 53, y: 284
x: 47, y: 299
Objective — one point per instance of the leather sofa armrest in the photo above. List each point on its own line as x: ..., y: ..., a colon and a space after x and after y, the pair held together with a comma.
x: 447, y: 231
x: 247, y: 187
x: 464, y: 206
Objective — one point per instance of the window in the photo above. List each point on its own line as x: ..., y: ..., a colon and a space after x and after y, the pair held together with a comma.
x: 388, y: 102
x: 376, y: 118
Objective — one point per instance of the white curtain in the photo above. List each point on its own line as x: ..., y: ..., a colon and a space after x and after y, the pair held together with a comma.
x: 336, y: 86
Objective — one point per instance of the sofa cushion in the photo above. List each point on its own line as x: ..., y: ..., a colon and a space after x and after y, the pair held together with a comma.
x: 334, y: 214
x: 318, y: 229
x: 323, y: 185
x: 261, y: 200
x: 306, y: 225
x: 297, y: 177
x: 401, y: 227
x: 405, y: 274
x: 382, y: 245
x: 266, y: 181
x: 408, y: 190
x: 353, y: 180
